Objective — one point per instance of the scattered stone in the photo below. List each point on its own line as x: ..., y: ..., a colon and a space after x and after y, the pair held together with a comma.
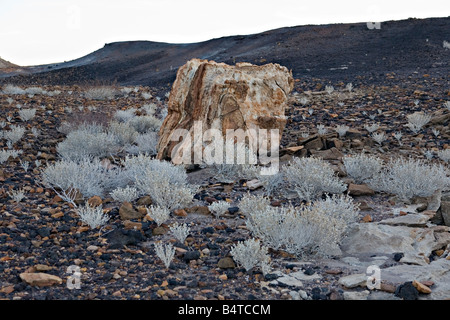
x: 42, y: 267
x: 329, y: 154
x: 191, y: 255
x: 131, y: 225
x: 40, y: 279
x: 226, y: 263
x: 127, y: 212
x: 119, y: 238
x: 300, y: 275
x: 357, y: 295
x: 354, y: 280
x: 421, y: 287
x: 445, y: 212
x: 359, y: 190
x: 254, y: 184
x: 410, y: 220
x: 144, y: 201
x: 407, y: 291
x: 160, y: 230
x: 387, y: 287
x: 180, y: 212
x: 289, y: 281
x: 201, y: 210
x: 95, y: 201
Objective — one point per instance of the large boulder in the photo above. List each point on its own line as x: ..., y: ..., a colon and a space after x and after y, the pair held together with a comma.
x: 218, y: 96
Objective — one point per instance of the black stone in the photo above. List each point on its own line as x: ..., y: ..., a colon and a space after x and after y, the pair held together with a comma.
x: 233, y: 210
x: 309, y: 272
x: 407, y: 291
x: 398, y: 256
x: 208, y: 230
x: 119, y: 238
x: 44, y: 232
x: 191, y: 255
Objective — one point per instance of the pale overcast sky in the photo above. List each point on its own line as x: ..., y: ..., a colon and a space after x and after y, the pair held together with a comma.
x: 45, y: 31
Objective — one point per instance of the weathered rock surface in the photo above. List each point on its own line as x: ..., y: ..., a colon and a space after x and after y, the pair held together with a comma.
x: 416, y: 244
x: 222, y: 97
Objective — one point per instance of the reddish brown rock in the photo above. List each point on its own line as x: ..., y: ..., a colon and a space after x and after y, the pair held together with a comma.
x: 222, y: 97
x: 360, y: 190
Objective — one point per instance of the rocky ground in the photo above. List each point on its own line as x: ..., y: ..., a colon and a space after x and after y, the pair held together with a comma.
x: 42, y: 240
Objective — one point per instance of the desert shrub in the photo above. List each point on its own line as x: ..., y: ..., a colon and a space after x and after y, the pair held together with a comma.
x: 180, y: 231
x: 362, y: 167
x: 88, y: 141
x: 35, y: 90
x: 417, y: 120
x: 250, y: 254
x: 67, y: 177
x: 5, y: 154
x: 27, y: 114
x: 312, y: 177
x: 124, y: 133
x: 165, y: 252
x: 444, y: 155
x: 124, y: 115
x: 407, y: 178
x: 145, y: 143
x: 15, y: 134
x: 158, y: 214
x: 92, y: 216
x: 271, y: 179
x: 143, y: 124
x: 233, y: 161
x: 219, y: 208
x: 164, y: 182
x: 12, y: 89
x: 312, y: 230
x: 127, y: 194
x: 101, y: 93
x: 17, y: 195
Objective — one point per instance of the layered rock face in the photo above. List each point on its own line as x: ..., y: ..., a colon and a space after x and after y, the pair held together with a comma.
x: 209, y: 95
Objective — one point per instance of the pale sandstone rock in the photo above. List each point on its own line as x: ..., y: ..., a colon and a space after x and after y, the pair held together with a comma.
x: 40, y: 279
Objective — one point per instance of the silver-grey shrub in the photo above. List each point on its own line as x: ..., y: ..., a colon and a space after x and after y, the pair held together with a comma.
x: 127, y: 194
x: 5, y: 154
x: 15, y: 134
x: 311, y: 177
x: 92, y: 216
x: 163, y: 181
x: 362, y: 167
x: 408, y: 178
x: 250, y: 254
x: 66, y: 177
x: 165, y: 252
x: 143, y: 124
x: 417, y: 120
x: 101, y: 93
x: 180, y: 231
x: 219, y: 208
x: 313, y: 230
x: 88, y: 141
x: 27, y: 114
